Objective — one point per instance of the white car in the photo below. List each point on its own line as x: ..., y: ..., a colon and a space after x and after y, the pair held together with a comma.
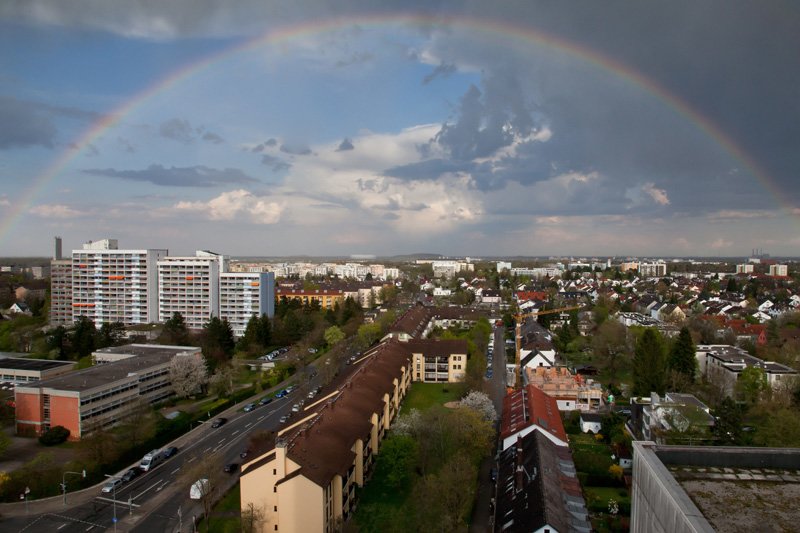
x: 112, y: 484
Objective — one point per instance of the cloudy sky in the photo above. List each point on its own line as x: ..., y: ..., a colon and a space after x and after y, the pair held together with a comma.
x: 455, y: 127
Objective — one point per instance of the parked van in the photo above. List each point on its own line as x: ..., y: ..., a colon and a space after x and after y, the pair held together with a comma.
x: 150, y: 460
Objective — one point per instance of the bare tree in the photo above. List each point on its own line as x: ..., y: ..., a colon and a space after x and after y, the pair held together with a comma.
x: 210, y: 470
x: 253, y: 517
x: 188, y: 375
x: 139, y: 424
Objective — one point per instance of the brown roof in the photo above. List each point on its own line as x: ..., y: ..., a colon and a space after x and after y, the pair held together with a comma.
x: 323, y: 447
x: 437, y: 347
x: 412, y: 322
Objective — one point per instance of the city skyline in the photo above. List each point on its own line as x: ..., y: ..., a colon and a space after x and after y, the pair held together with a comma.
x: 455, y: 128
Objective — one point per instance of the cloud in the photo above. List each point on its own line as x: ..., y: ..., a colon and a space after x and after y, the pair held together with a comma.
x: 177, y: 129
x: 59, y: 211
x: 270, y: 142
x: 212, y: 138
x: 720, y: 243
x: 234, y: 204
x: 126, y: 145
x: 345, y: 145
x: 729, y: 214
x: 32, y: 124
x: 197, y: 176
x: 644, y: 194
x: 295, y: 149
x: 275, y: 163
x: 443, y: 70
x: 4, y: 201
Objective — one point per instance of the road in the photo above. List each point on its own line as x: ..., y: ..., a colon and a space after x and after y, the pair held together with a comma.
x: 159, y: 500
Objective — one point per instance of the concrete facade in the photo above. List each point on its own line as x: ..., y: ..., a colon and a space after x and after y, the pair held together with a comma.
x: 242, y: 295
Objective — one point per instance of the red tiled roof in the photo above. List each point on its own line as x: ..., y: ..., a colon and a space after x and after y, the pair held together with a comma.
x: 531, y: 406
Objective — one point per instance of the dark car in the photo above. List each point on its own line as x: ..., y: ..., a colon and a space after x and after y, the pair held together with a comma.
x: 169, y: 452
x: 244, y: 453
x: 218, y: 422
x: 249, y: 407
x: 130, y: 474
x: 231, y: 467
x: 265, y: 400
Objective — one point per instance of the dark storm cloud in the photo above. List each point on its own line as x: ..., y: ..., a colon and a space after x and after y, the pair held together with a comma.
x: 197, y: 176
x: 32, y: 123
x: 442, y: 70
x: 345, y: 145
x: 275, y: 163
x: 270, y: 142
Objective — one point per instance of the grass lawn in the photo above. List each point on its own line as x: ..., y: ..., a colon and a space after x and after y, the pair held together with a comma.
x: 422, y: 396
x: 226, y: 515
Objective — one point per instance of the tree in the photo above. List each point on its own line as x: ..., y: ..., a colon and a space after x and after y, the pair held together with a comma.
x: 110, y: 334
x: 611, y: 350
x: 253, y: 517
x: 82, y: 338
x: 481, y: 404
x: 398, y: 456
x: 188, y: 375
x: 444, y: 499
x: 210, y: 470
x: 139, y: 424
x: 221, y: 381
x: 368, y: 334
x: 728, y: 425
x: 752, y: 383
x: 175, y: 331
x: 682, y: 358
x: 57, y: 342
x: 649, y: 364
x: 98, y: 446
x: 334, y: 335
x: 218, y: 344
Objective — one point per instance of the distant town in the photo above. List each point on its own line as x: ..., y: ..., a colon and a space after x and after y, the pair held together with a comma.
x: 143, y: 391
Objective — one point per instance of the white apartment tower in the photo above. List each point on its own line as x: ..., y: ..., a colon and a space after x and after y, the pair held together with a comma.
x: 190, y: 286
x: 653, y: 270
x: 778, y: 270
x: 242, y: 295
x: 113, y: 285
x: 745, y: 268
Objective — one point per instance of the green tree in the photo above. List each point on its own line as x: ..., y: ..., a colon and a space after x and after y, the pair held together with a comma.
x: 368, y: 334
x: 334, y: 335
x: 611, y: 350
x: 682, y: 358
x: 218, y: 343
x: 57, y: 342
x: 728, y: 425
x: 175, y: 331
x: 397, y: 459
x: 110, y: 334
x: 83, y: 337
x: 249, y: 342
x: 649, y: 364
x: 752, y: 383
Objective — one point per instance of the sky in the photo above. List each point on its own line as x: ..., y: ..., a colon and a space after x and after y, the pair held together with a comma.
x: 463, y: 127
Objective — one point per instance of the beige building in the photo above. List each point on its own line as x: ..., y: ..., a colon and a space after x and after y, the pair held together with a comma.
x: 438, y: 361
x: 307, y: 482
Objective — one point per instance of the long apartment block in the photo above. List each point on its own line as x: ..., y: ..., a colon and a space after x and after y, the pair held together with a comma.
x: 112, y: 285
x: 242, y: 295
x: 189, y: 286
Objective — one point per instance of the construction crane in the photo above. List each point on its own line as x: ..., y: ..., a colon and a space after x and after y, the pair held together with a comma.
x: 518, y: 319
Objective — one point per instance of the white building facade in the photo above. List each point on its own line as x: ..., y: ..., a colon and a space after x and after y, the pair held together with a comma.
x: 189, y: 286
x: 242, y: 295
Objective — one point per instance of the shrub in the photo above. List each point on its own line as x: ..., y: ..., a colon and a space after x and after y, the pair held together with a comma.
x: 54, y: 435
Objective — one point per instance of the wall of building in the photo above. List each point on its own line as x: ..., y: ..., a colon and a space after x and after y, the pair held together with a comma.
x: 659, y: 504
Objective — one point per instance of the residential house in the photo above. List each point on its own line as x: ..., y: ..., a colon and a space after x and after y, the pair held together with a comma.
x: 591, y: 423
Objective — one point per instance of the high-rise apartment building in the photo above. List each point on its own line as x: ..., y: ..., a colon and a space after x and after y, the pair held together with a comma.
x: 778, y: 270
x: 242, y: 295
x: 190, y: 286
x: 745, y: 268
x: 61, y: 292
x: 653, y: 270
x: 113, y: 285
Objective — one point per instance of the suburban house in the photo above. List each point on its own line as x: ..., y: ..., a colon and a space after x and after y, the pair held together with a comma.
x: 674, y: 418
x: 591, y: 423
x: 530, y: 409
x: 723, y: 364
x: 570, y: 391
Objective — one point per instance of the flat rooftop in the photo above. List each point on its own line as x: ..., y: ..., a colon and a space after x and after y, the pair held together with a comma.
x: 738, y: 488
x: 16, y: 363
x: 147, y: 356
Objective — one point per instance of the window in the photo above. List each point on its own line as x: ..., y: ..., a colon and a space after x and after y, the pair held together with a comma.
x: 276, y: 509
x: 274, y: 471
x: 274, y: 489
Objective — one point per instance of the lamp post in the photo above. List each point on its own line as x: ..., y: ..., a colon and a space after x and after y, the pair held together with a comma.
x: 24, y: 496
x: 64, y: 482
x: 114, y: 499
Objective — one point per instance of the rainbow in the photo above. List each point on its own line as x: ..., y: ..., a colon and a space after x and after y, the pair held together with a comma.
x: 494, y: 29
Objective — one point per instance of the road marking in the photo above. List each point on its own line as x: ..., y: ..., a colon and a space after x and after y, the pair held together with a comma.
x: 234, y: 433
x: 248, y: 425
x: 192, y: 458
x: 90, y: 527
x: 175, y: 470
x: 62, y: 525
x: 261, y: 418
x: 217, y: 448
x: 220, y: 442
x: 145, y: 490
x: 207, y: 450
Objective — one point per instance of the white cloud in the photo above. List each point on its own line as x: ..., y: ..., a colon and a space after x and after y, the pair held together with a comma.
x: 659, y: 196
x: 727, y: 214
x: 54, y: 211
x: 721, y: 243
x: 4, y: 201
x: 233, y: 204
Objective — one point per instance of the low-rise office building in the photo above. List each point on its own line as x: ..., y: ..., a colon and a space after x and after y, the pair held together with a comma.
x: 99, y: 396
x: 24, y: 370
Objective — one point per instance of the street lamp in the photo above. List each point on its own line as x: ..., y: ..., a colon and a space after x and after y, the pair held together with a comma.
x: 24, y: 496
x: 114, y: 499
x: 64, y: 482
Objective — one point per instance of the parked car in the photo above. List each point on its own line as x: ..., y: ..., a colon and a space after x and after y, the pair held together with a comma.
x: 296, y: 408
x: 265, y: 400
x: 218, y: 422
x: 169, y: 452
x: 284, y: 419
x: 112, y: 484
x: 249, y: 407
x: 231, y: 467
